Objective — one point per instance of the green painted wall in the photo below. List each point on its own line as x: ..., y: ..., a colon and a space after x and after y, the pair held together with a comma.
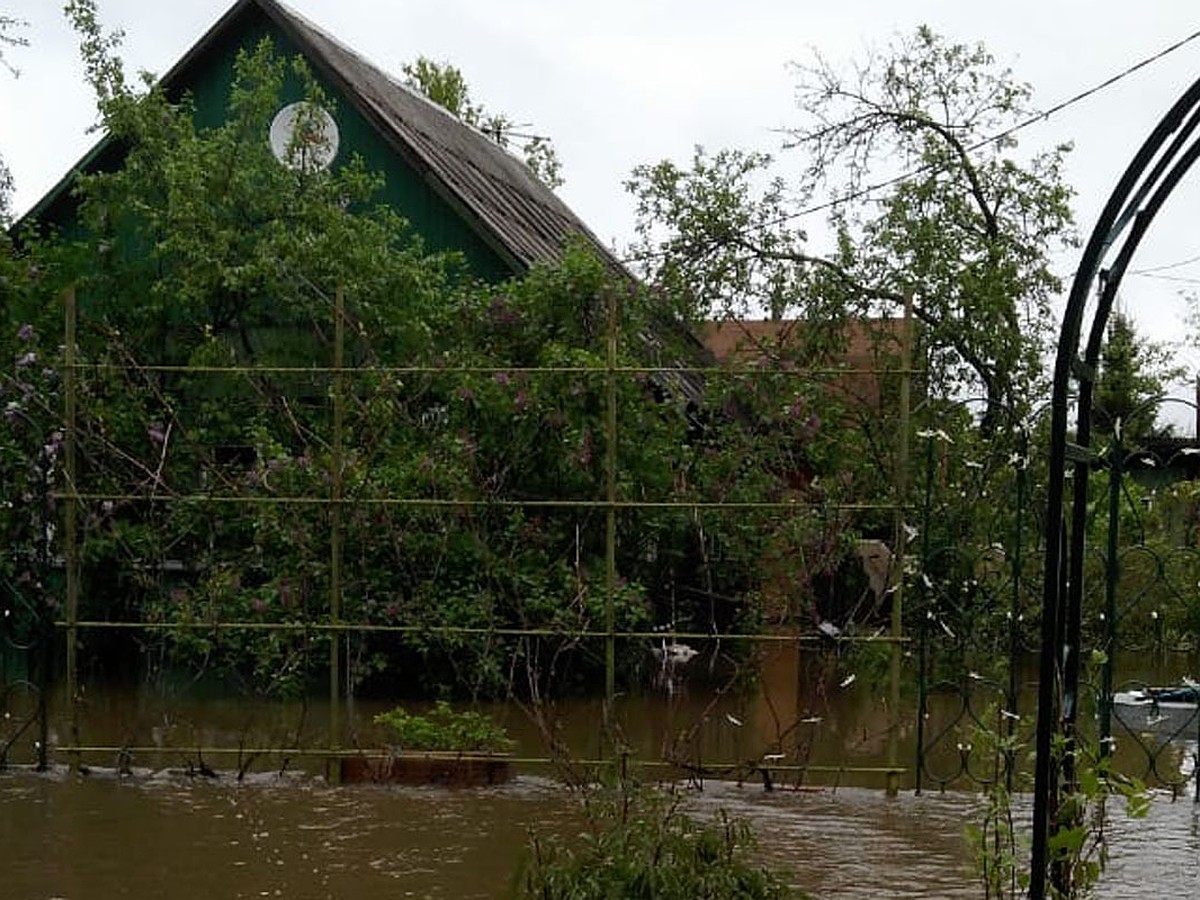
x: 210, y: 80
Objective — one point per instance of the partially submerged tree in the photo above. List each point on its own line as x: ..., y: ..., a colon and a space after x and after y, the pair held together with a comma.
x: 917, y: 146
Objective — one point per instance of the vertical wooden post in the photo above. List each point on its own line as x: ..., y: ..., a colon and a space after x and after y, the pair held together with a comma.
x: 336, y: 489
x: 901, y: 533
x: 71, y: 551
x: 1112, y: 576
x: 610, y: 478
x: 1014, y: 615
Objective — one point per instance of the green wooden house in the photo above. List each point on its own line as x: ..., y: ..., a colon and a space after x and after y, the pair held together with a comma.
x: 458, y: 188
x: 459, y: 191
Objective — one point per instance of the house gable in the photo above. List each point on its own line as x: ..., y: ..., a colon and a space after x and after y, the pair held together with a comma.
x: 457, y: 188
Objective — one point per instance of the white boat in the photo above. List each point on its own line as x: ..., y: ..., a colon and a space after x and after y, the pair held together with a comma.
x: 675, y: 653
x: 1158, y: 708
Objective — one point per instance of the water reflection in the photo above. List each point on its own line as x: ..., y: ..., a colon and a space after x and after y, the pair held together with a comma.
x: 1158, y: 746
x: 798, y: 709
x: 100, y: 838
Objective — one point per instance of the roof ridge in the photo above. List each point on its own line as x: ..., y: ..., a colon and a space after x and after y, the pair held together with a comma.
x: 494, y: 191
x: 444, y: 143
x: 395, y: 81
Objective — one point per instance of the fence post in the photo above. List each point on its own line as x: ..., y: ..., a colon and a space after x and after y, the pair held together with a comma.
x: 71, y: 549
x: 335, y: 529
x: 901, y: 538
x: 923, y: 637
x: 1112, y: 573
x: 610, y: 487
x: 1014, y: 613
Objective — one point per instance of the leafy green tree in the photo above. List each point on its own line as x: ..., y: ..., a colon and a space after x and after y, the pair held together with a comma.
x: 10, y: 36
x: 6, y: 189
x: 1134, y: 372
x: 445, y: 85
x: 917, y: 144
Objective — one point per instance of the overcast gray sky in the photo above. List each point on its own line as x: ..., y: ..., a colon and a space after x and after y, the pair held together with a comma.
x: 625, y: 82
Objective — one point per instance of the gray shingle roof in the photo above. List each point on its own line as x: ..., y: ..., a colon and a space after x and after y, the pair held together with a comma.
x: 513, y: 212
x: 496, y: 192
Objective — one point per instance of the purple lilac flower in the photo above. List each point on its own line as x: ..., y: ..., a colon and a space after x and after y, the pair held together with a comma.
x: 501, y: 312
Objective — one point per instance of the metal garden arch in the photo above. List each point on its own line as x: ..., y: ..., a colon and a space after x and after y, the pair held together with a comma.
x: 1161, y: 163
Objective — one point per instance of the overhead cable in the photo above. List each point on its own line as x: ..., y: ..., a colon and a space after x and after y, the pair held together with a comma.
x: 1167, y: 266
x: 1019, y: 126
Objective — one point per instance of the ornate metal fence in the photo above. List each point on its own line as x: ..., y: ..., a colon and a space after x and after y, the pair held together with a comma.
x: 979, y: 597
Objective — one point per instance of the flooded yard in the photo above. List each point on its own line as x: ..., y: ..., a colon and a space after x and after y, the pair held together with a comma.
x: 165, y: 829
x: 63, y: 836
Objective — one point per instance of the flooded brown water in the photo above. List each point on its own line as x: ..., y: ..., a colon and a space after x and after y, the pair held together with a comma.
x: 164, y: 833
x: 63, y: 836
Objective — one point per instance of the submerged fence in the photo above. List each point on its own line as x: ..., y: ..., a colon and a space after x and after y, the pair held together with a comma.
x: 979, y: 637
x: 217, y: 547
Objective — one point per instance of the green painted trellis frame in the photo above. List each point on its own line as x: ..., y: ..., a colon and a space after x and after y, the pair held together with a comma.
x: 73, y: 627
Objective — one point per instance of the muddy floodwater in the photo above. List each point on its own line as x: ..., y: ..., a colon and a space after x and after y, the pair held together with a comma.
x: 62, y: 836
x: 282, y: 830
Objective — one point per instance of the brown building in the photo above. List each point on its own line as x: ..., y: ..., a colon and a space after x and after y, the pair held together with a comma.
x: 857, y: 363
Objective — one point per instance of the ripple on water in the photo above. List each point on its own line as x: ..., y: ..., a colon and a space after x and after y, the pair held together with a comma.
x: 168, y: 835
x: 855, y: 843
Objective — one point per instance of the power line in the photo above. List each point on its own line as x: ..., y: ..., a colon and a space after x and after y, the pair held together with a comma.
x: 1178, y: 279
x: 1167, y: 266
x: 1019, y: 126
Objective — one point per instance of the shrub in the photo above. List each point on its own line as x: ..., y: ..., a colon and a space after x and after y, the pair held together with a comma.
x: 444, y: 728
x: 639, y: 844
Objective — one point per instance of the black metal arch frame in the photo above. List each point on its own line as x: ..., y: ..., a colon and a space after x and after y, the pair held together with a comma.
x: 1161, y: 163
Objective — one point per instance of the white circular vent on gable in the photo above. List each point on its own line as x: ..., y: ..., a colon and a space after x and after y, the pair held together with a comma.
x: 304, y: 136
